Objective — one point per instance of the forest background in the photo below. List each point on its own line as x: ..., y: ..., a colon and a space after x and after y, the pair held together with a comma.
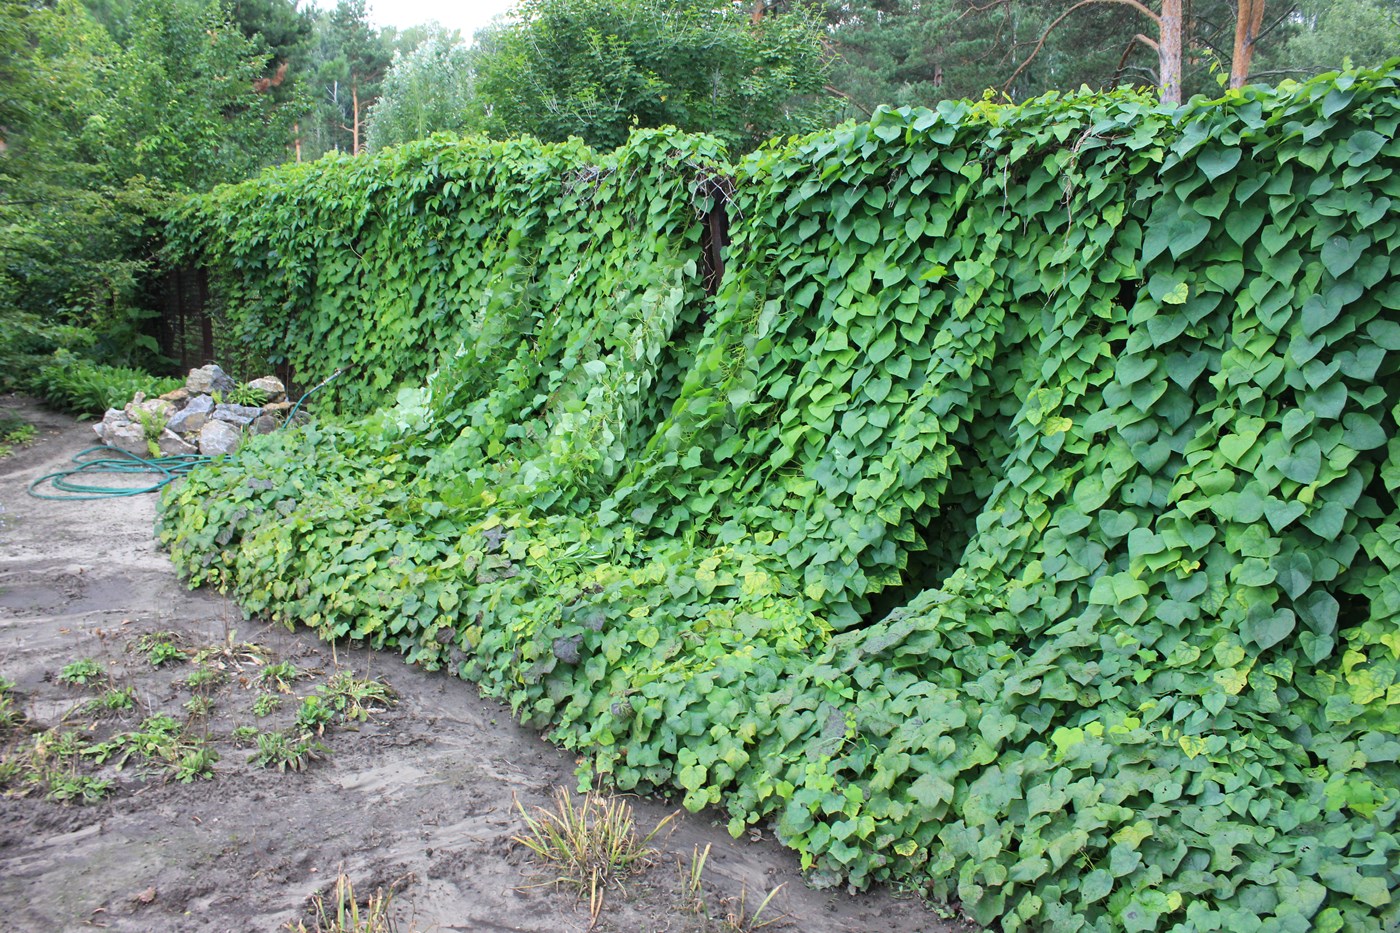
x: 111, y: 111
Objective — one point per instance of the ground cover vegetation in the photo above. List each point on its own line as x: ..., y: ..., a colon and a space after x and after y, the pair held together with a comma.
x: 1018, y: 521
x: 115, y: 736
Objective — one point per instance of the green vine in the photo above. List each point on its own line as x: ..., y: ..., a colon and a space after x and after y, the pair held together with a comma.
x: 1018, y: 521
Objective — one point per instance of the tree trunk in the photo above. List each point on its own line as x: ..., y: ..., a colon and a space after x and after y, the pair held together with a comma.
x: 296, y: 138
x: 1169, y: 51
x: 1247, y: 26
x: 355, y: 107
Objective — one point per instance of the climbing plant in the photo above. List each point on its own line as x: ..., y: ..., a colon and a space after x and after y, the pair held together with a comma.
x: 1018, y: 521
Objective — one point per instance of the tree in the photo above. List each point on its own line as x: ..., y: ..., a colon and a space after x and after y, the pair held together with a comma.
x: 428, y: 90
x: 1326, y: 34
x: 361, y: 58
x: 597, y: 68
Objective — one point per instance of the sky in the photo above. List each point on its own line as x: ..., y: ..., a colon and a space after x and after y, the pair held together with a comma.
x: 466, y: 15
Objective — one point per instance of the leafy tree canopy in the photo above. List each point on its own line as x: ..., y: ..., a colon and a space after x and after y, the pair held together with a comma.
x: 597, y: 68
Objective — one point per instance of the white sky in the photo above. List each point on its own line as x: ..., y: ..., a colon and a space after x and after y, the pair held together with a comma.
x: 466, y: 15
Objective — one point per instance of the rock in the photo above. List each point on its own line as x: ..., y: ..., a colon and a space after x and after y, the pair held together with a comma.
x: 236, y: 414
x: 219, y: 437
x: 271, y: 387
x: 265, y: 424
x: 173, y: 445
x: 177, y: 397
x: 208, y: 379
x: 278, y: 407
x: 153, y: 410
x: 192, y: 416
x: 129, y: 437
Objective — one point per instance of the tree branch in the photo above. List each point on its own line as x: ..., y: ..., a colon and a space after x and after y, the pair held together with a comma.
x: 1060, y: 19
x: 849, y: 99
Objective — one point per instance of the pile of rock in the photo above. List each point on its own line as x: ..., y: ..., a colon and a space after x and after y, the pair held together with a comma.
x: 200, y: 418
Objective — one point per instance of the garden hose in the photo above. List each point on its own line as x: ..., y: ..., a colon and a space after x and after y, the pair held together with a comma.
x: 115, y: 462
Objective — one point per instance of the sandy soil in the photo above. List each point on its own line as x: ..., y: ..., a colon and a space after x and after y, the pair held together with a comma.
x: 420, y: 798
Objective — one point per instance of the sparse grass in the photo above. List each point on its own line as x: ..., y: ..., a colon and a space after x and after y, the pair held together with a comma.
x: 342, y: 913
x: 82, y: 673
x: 158, y: 737
x: 266, y: 704
x: 244, y: 736
x: 199, y: 707
x: 79, y: 788
x: 285, y: 753
x: 11, y: 716
x: 738, y: 919
x: 590, y: 843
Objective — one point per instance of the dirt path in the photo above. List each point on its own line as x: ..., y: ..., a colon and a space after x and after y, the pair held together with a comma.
x: 419, y: 797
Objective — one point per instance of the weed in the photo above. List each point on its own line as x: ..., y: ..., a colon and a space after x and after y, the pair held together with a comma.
x: 15, y: 433
x: 157, y: 738
x: 266, y: 704
x: 737, y: 918
x: 245, y: 736
x: 112, y: 700
x: 343, y: 914
x: 199, y: 707
x: 693, y: 883
x: 314, y: 715
x: 160, y: 648
x: 232, y: 653
x: 203, y: 678
x: 82, y: 673
x: 11, y: 716
x: 77, y: 787
x: 590, y: 844
x: 357, y: 698
x: 196, y: 762
x: 280, y: 676
x: 278, y: 749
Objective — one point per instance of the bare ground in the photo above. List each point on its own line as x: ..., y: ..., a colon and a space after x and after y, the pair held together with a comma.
x: 420, y: 799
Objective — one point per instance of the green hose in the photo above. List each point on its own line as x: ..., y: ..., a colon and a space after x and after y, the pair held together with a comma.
x: 121, y: 463
x: 114, y: 463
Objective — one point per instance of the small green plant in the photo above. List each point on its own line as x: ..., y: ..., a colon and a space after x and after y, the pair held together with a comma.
x: 80, y: 788
x: 11, y: 716
x: 245, y: 736
x: 157, y: 738
x: 314, y: 715
x: 113, y: 700
x: 357, y: 698
x: 266, y: 704
x: 343, y: 914
x: 199, y: 707
x: 693, y: 882
x: 15, y: 433
x: 152, y: 425
x: 204, y: 678
x: 280, y: 676
x: 82, y: 673
x: 285, y: 753
x: 80, y: 386
x: 57, y: 747
x: 231, y: 653
x: 738, y: 919
x: 247, y: 396
x: 160, y: 648
x: 196, y: 762
x: 589, y: 844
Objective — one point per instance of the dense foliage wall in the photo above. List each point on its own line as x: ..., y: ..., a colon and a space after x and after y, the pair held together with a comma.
x: 1018, y: 521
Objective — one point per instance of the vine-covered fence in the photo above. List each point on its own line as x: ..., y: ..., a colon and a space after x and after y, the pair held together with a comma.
x: 1018, y: 520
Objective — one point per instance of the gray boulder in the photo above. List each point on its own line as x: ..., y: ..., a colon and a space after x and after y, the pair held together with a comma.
x: 271, y: 387
x: 265, y: 424
x: 173, y: 445
x: 192, y: 416
x: 236, y: 414
x: 127, y: 436
x: 208, y: 379
x: 218, y: 437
